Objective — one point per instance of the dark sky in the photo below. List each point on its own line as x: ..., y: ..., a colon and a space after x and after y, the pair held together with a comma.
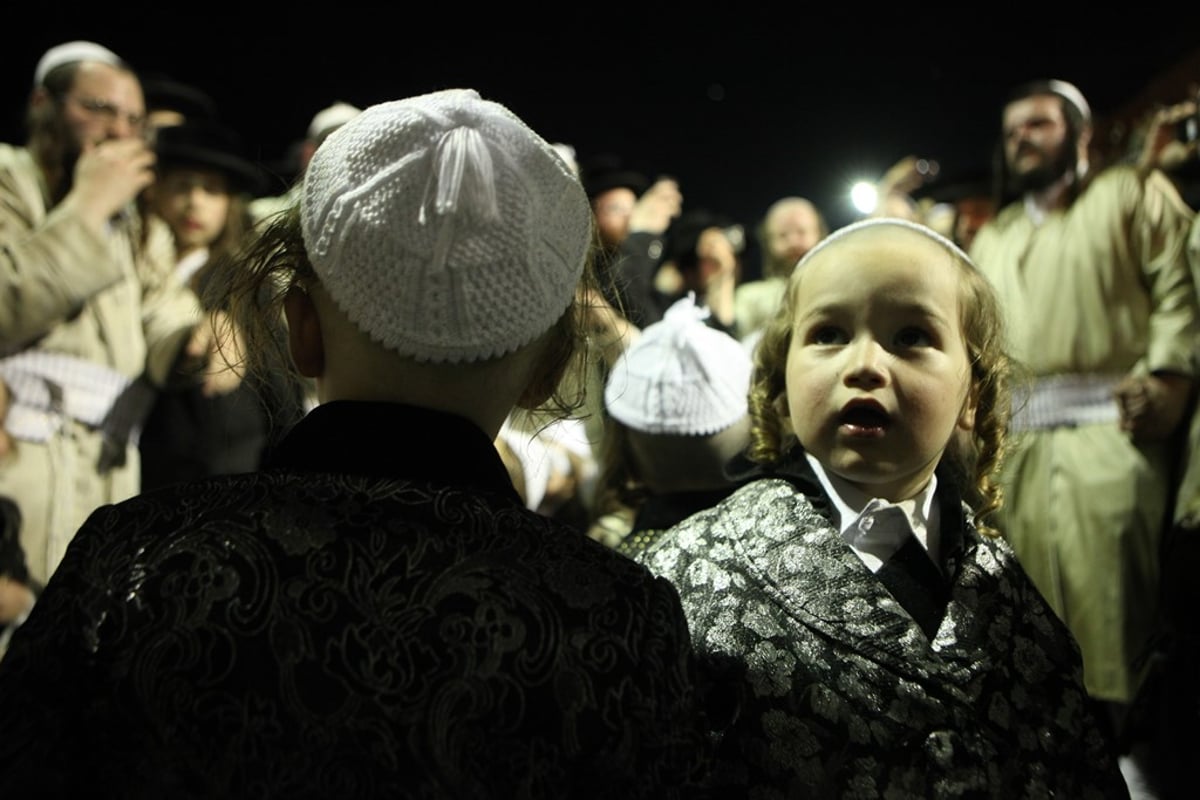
x: 741, y: 106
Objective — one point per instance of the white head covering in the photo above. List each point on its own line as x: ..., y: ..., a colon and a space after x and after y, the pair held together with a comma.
x: 331, y: 117
x: 70, y: 52
x: 1071, y: 93
x: 444, y: 227
x: 874, y: 222
x: 680, y: 377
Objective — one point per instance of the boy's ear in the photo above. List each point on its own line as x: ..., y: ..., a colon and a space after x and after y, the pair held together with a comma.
x: 780, y: 406
x: 966, y: 417
x: 304, y: 333
x: 548, y: 372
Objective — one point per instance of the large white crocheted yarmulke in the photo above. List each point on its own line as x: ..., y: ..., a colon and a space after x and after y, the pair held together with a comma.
x: 444, y: 227
x: 681, y: 376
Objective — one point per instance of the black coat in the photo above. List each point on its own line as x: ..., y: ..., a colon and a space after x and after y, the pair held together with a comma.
x: 375, y: 614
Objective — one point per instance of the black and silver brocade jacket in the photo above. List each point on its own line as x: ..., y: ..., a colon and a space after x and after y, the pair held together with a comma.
x: 375, y: 615
x: 834, y: 691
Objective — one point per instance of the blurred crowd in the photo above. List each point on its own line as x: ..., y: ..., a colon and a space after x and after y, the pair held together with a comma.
x: 126, y: 217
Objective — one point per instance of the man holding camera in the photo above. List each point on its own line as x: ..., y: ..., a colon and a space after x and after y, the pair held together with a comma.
x: 1091, y: 267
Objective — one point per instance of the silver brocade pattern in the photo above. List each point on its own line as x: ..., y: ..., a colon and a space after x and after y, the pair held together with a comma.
x: 840, y: 694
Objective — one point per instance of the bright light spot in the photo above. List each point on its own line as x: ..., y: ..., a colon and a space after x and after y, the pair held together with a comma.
x: 864, y: 197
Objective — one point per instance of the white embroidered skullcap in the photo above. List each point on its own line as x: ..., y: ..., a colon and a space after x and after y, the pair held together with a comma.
x: 69, y: 53
x: 331, y: 117
x: 444, y: 227
x: 680, y: 377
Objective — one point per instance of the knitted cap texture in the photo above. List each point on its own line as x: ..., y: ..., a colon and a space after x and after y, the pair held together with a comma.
x: 444, y: 227
x: 680, y: 377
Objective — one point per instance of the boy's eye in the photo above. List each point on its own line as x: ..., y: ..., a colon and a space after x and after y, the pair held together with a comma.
x: 913, y: 337
x: 827, y: 334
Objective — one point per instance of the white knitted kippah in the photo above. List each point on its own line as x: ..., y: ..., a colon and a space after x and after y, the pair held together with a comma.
x: 444, y: 227
x: 70, y: 52
x: 680, y: 377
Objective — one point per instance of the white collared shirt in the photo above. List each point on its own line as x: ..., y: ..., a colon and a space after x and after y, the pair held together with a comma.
x: 876, y: 528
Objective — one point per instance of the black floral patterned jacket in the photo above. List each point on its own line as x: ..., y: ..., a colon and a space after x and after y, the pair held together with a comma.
x: 375, y: 615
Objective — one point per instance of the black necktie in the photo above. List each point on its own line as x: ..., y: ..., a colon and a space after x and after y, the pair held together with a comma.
x: 912, y: 578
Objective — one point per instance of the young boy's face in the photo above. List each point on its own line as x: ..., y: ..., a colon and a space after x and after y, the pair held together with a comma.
x: 877, y: 376
x: 195, y: 203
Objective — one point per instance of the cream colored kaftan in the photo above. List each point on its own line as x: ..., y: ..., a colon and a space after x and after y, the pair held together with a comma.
x: 1101, y: 288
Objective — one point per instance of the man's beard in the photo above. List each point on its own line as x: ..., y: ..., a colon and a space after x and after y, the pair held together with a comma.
x: 1045, y: 174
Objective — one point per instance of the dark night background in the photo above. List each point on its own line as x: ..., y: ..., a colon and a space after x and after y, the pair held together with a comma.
x: 741, y: 104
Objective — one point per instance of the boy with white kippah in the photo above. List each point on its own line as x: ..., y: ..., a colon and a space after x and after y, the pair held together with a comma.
x: 676, y: 413
x: 873, y: 635
x: 375, y: 613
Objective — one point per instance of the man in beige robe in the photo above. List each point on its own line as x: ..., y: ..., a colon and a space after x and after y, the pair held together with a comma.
x: 1092, y: 271
x: 88, y: 310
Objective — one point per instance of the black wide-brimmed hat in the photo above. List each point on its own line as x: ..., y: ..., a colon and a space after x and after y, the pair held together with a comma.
x: 211, y: 145
x: 164, y: 93
x: 606, y: 171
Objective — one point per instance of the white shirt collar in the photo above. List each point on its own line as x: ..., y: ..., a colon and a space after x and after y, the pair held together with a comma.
x: 875, y: 528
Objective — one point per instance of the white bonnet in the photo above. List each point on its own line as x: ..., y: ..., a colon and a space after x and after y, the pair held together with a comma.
x: 444, y: 227
x: 680, y: 377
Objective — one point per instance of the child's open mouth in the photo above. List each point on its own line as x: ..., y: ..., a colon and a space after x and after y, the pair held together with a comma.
x: 864, y: 419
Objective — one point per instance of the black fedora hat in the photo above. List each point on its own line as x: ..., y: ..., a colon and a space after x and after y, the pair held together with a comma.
x: 209, y: 144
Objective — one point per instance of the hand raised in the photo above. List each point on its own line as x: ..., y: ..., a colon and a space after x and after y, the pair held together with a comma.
x: 657, y: 206
x: 108, y: 176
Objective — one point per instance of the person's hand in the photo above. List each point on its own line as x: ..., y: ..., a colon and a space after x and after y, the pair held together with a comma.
x: 16, y: 600
x: 1152, y: 406
x: 109, y: 175
x: 1162, y: 148
x: 216, y: 346
x: 658, y: 205
x: 906, y: 176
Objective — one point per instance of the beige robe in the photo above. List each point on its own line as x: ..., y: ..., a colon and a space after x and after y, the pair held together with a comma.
x: 755, y: 303
x: 65, y: 291
x: 1101, y: 288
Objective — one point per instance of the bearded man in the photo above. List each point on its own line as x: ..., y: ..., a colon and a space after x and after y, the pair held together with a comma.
x: 1092, y: 271
x: 88, y: 306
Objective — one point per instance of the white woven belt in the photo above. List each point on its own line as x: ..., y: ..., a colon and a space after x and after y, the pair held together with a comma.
x: 1065, y: 401
x: 47, y: 387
